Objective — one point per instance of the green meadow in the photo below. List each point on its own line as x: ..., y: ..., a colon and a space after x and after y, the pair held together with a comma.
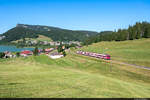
x: 131, y: 51
x: 40, y: 38
x: 76, y: 76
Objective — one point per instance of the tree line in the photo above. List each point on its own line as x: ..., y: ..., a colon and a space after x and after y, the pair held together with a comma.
x: 137, y: 31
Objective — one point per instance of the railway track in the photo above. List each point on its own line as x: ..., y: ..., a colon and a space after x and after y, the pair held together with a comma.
x: 121, y: 63
x: 133, y: 65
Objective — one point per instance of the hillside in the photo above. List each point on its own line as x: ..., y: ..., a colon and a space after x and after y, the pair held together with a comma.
x: 18, y: 33
x: 40, y: 38
x: 33, y: 31
x: 131, y: 51
x: 79, y: 76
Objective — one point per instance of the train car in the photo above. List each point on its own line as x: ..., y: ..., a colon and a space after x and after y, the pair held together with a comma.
x: 93, y: 55
x: 86, y: 53
x: 78, y: 52
x: 106, y: 57
x: 83, y: 53
x: 96, y: 55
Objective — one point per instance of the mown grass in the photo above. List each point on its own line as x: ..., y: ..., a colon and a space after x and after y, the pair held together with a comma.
x: 40, y: 38
x: 132, y: 51
x: 72, y: 76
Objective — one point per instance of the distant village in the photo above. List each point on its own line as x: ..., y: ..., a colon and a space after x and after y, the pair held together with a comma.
x: 53, y: 53
x: 26, y: 53
x: 52, y: 43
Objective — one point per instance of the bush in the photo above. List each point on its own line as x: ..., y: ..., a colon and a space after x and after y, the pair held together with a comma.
x: 36, y: 51
x: 43, y: 50
x: 64, y: 53
x: 2, y: 55
x: 18, y: 54
x: 59, y: 49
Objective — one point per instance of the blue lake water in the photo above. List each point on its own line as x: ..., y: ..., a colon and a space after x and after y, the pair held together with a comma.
x: 13, y: 48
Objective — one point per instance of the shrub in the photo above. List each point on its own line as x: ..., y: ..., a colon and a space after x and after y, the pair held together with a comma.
x: 18, y: 54
x: 43, y: 50
x: 2, y: 55
x: 36, y: 51
x: 64, y: 53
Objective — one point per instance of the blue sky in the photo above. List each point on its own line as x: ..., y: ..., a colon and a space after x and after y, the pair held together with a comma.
x: 94, y: 15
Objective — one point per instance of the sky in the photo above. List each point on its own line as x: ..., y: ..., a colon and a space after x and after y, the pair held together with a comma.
x: 93, y: 15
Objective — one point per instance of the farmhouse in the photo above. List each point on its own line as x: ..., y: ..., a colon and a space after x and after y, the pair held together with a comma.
x: 26, y: 53
x: 57, y: 43
x: 8, y: 54
x: 78, y: 47
x: 49, y: 50
x: 56, y: 55
x: 40, y: 51
x: 52, y: 43
x: 2, y: 37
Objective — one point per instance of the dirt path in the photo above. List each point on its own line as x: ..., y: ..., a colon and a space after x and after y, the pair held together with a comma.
x: 133, y: 65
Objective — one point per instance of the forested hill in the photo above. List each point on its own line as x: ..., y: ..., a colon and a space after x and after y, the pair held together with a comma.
x: 33, y: 31
x: 137, y: 31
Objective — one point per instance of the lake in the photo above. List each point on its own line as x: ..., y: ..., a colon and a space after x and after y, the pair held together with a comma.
x: 13, y: 48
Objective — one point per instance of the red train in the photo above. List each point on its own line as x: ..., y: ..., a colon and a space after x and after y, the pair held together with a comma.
x: 96, y: 55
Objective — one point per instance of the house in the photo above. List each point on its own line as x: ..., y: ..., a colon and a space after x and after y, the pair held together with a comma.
x: 57, y: 43
x: 40, y: 51
x: 34, y: 42
x: 26, y: 53
x: 8, y: 54
x: 65, y: 42
x: 45, y: 42
x: 75, y: 42
x: 52, y: 43
x: 49, y: 50
x: 78, y: 47
x: 2, y: 37
x: 56, y: 55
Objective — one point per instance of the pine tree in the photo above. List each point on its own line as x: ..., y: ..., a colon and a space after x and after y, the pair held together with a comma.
x: 131, y: 33
x: 43, y: 50
x: 124, y: 35
x: 118, y: 35
x: 138, y: 30
x: 147, y: 31
x: 36, y: 51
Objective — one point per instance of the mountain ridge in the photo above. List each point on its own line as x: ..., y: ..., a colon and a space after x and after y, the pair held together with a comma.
x: 55, y: 33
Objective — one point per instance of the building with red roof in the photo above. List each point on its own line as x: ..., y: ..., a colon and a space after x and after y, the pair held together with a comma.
x: 26, y: 53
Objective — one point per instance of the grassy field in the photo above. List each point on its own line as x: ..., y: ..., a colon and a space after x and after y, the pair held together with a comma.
x: 132, y: 51
x: 72, y: 76
x: 40, y: 38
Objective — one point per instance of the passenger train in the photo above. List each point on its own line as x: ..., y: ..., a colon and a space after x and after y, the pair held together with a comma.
x: 96, y: 55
